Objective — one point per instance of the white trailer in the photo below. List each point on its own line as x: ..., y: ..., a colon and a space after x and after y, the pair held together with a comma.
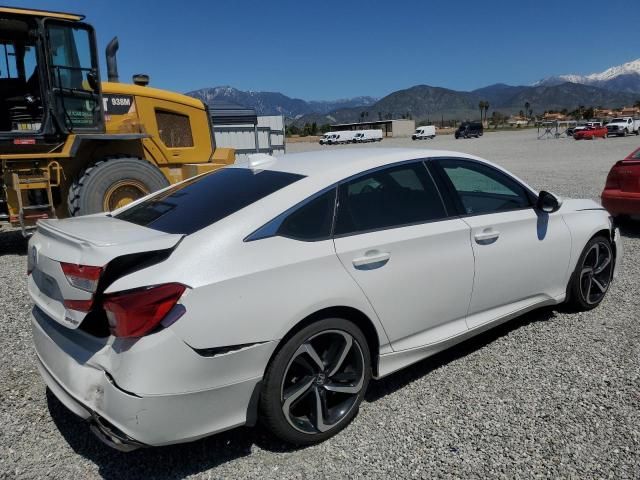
x: 424, y: 132
x: 364, y: 136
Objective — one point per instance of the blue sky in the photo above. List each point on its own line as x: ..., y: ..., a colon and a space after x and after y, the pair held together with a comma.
x: 332, y: 49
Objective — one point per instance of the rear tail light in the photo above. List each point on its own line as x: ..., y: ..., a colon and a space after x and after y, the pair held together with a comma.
x: 79, y: 305
x: 135, y: 313
x: 613, y: 179
x: 83, y: 277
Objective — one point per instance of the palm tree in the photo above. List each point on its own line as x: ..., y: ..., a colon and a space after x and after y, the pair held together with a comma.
x: 527, y: 105
x: 486, y: 109
x: 481, y: 107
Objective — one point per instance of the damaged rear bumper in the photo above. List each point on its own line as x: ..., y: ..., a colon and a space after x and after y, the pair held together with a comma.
x: 125, y: 420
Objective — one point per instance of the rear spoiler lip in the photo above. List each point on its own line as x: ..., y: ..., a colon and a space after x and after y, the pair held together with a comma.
x: 89, y: 252
x: 50, y: 228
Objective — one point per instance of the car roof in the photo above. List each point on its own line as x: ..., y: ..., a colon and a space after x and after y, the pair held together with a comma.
x: 335, y: 165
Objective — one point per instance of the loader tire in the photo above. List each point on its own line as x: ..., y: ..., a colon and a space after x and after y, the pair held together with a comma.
x: 112, y: 183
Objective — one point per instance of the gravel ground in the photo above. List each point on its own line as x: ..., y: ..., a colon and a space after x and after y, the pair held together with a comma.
x: 550, y: 394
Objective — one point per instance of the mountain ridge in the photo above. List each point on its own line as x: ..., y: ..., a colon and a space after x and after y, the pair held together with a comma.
x: 612, y: 88
x: 625, y: 77
x: 276, y: 103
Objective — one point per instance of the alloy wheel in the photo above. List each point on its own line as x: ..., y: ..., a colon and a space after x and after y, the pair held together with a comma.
x: 595, y: 275
x: 322, y: 381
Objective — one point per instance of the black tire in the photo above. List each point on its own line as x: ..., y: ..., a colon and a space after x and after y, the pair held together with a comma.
x: 577, y: 298
x: 278, y: 376
x: 88, y: 190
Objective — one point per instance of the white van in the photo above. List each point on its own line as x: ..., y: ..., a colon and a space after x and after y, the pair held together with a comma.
x: 427, y: 131
x: 327, y: 138
x: 363, y: 136
x: 346, y: 136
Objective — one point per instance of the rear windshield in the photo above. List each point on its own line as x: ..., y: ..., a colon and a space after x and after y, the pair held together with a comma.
x: 198, y: 203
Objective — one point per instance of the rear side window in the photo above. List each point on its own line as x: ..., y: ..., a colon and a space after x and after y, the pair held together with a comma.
x: 312, y: 221
x: 388, y: 198
x: 198, y: 203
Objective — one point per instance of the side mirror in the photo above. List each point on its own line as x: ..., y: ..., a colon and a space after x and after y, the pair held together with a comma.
x: 92, y: 80
x: 548, y: 202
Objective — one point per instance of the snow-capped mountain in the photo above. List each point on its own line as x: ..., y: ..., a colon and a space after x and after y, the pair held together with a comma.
x: 275, y: 103
x: 625, y: 78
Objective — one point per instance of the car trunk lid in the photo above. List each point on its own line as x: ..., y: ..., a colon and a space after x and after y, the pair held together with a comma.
x: 625, y: 176
x: 86, y: 241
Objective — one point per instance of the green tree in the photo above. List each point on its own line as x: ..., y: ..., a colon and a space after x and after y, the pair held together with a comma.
x: 292, y: 130
x: 526, y: 107
x: 637, y: 104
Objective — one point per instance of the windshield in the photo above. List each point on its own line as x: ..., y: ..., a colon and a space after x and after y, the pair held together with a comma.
x: 195, y: 204
x: 618, y: 120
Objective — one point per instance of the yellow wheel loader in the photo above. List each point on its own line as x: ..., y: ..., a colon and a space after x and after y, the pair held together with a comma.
x: 73, y: 145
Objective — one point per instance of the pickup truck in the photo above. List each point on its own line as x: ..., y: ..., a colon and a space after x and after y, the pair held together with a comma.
x: 623, y: 126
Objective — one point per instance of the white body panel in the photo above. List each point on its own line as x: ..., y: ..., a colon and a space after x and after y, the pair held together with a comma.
x: 421, y: 288
x: 527, y: 259
x: 420, y: 292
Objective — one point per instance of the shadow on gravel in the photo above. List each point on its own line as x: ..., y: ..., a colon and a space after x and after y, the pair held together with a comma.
x: 12, y: 243
x: 381, y: 388
x: 178, y: 461
x: 629, y: 228
x: 172, y: 462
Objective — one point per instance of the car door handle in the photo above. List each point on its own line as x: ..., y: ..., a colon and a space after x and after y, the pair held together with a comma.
x: 371, y: 260
x: 487, y: 236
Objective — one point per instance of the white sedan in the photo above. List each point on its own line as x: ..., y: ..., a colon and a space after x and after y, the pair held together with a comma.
x: 278, y: 288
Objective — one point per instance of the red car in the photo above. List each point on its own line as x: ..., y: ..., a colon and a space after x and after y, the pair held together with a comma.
x: 621, y: 194
x: 591, y: 133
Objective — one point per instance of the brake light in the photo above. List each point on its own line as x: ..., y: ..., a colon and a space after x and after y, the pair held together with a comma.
x: 134, y: 313
x: 83, y: 277
x: 613, y: 179
x: 79, y: 305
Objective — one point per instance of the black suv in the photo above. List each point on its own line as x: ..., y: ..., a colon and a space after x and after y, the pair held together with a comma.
x: 469, y: 129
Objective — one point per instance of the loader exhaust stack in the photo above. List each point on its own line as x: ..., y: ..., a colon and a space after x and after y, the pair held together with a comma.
x: 112, y: 64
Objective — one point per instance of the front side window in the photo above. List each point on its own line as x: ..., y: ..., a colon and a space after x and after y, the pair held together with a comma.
x: 195, y: 204
x: 388, y: 198
x: 483, y: 189
x: 174, y: 129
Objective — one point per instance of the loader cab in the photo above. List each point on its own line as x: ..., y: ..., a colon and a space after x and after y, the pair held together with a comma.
x: 49, y: 80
